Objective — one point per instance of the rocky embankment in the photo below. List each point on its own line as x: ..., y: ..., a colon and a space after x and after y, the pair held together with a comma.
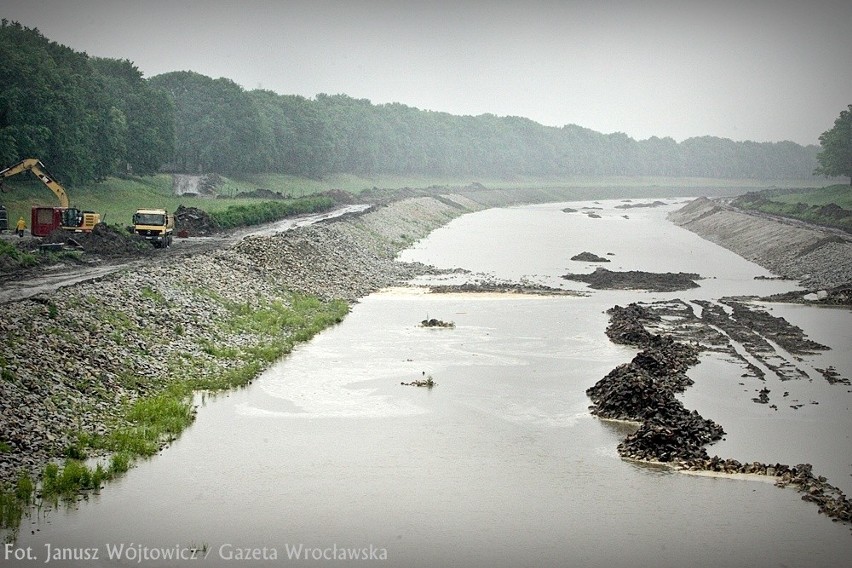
x: 820, y: 258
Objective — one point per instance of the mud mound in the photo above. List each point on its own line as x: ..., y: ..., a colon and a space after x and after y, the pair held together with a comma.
x: 603, y: 279
x: 339, y: 196
x: 586, y: 256
x: 834, y: 211
x: 193, y: 222
x: 262, y: 193
x: 103, y: 240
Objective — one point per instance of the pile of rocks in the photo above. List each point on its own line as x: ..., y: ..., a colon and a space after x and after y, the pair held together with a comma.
x: 830, y: 499
x: 587, y: 256
x: 644, y: 391
x: 433, y: 322
x: 627, y: 325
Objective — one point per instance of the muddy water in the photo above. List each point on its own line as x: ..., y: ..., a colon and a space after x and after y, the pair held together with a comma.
x: 500, y: 464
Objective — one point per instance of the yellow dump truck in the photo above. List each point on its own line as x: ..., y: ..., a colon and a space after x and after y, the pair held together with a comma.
x: 155, y: 225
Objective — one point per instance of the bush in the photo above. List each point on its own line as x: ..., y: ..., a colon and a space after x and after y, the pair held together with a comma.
x: 268, y: 211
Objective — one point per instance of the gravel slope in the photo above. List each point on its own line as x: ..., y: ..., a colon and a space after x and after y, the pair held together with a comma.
x: 818, y: 258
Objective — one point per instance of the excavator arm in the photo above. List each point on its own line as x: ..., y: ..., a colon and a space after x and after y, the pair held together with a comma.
x: 37, y: 168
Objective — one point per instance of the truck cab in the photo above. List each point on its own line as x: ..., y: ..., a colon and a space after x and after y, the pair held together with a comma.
x: 155, y: 225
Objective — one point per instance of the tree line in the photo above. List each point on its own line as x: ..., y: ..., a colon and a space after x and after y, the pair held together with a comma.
x: 88, y: 118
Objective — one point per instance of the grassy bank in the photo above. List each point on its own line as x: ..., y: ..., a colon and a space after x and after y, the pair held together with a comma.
x: 160, y: 410
x: 828, y: 206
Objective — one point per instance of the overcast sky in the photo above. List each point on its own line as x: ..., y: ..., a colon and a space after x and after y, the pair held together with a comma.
x: 763, y: 70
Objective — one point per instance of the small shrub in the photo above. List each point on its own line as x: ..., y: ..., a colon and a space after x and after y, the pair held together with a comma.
x: 267, y: 211
x: 76, y: 452
x: 24, y: 489
x: 119, y: 464
x: 11, y: 510
x: 151, y: 294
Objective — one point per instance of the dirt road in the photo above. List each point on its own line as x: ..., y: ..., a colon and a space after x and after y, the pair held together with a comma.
x: 53, y: 278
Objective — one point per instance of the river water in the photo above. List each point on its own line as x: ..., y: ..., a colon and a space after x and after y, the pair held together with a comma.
x: 500, y: 464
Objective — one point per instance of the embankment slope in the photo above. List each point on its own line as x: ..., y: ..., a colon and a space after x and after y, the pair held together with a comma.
x: 818, y: 258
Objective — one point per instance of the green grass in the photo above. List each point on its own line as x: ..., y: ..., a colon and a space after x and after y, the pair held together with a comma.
x: 16, y: 257
x: 838, y: 194
x: 803, y: 204
x: 153, y: 295
x: 151, y: 421
x: 246, y: 215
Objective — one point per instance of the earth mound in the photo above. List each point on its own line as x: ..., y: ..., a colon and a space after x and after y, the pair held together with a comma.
x: 603, y: 279
x: 193, y: 222
x: 589, y: 257
x: 103, y: 240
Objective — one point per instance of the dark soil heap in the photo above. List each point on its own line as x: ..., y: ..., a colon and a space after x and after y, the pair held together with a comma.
x: 603, y: 279
x: 103, y: 240
x: 589, y: 257
x: 193, y: 222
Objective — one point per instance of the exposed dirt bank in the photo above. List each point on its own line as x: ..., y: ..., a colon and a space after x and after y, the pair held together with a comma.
x: 819, y: 258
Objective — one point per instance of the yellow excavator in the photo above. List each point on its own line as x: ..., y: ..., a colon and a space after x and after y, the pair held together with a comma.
x: 45, y: 220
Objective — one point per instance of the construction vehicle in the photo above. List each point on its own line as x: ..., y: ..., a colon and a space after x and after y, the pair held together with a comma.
x: 45, y: 220
x: 155, y: 225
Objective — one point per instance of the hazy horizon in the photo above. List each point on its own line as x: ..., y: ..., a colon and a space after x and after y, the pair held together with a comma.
x: 760, y: 70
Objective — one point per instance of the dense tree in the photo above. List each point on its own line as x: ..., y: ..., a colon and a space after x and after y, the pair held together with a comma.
x: 85, y: 118
x: 88, y: 118
x: 218, y: 127
x: 835, y: 158
x: 44, y: 107
x: 142, y: 116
